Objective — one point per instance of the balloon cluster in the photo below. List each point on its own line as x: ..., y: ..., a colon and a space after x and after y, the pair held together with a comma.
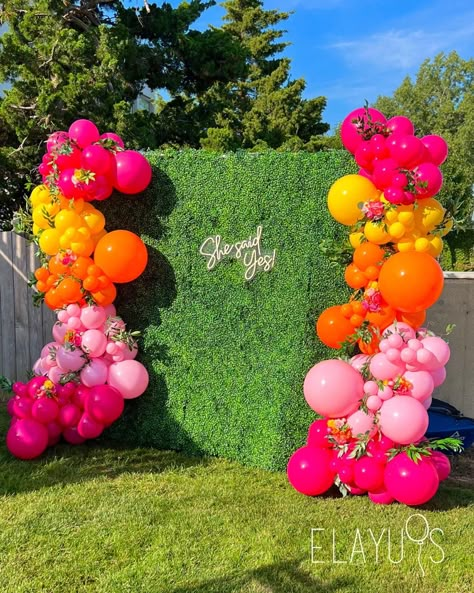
x: 84, y: 375
x: 371, y: 437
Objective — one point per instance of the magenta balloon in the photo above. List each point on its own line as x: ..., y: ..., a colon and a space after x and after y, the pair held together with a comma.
x: 66, y: 185
x: 112, y: 136
x: 88, y: 428
x: 407, y: 151
x: 401, y: 126
x: 369, y: 474
x: 84, y: 132
x: 27, y: 439
x: 104, y: 404
x: 422, y: 384
x: 411, y: 483
x: 133, y: 172
x: 20, y: 388
x: 403, y: 419
x: 437, y: 149
x: 439, y: 348
x: 381, y: 367
x: 22, y: 407
x: 441, y: 463
x: 361, y: 423
x: 54, y: 432
x: 349, y: 135
x: 384, y: 171
x: 130, y: 377
x: 333, y: 388
x: 103, y: 188
x: 439, y: 376
x: 381, y: 497
x: 69, y: 415
x: 317, y: 434
x: 45, y: 410
x: 364, y: 155
x: 34, y: 385
x: 309, y: 472
x: 98, y: 159
x: 346, y: 473
x: 94, y: 373
x: 428, y: 179
x: 72, y: 160
x: 72, y: 436
x: 79, y: 397
x: 56, y: 140
x: 366, y: 174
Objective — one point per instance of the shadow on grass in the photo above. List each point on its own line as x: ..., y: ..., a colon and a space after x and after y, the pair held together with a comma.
x: 283, y: 577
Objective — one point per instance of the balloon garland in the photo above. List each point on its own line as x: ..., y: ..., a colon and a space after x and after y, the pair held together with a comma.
x: 84, y: 375
x: 373, y: 403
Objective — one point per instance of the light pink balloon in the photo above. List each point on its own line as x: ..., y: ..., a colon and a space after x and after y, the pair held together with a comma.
x: 46, y: 349
x: 374, y: 403
x: 59, y: 331
x: 93, y: 316
x: 94, y: 373
x: 439, y: 348
x: 439, y: 376
x: 361, y: 423
x: 381, y: 368
x: 427, y: 402
x: 129, y: 377
x: 333, y: 388
x: 405, y: 330
x: 48, y: 362
x: 110, y: 310
x: 38, y: 368
x: 70, y: 360
x: 130, y: 354
x: 94, y: 343
x: 358, y: 361
x: 422, y: 384
x: 55, y: 374
x: 403, y: 419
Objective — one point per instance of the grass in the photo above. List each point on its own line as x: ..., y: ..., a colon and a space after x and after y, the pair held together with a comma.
x: 101, y: 519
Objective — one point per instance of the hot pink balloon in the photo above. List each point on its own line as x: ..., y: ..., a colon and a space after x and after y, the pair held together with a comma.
x: 429, y: 180
x: 317, y: 434
x: 56, y: 140
x: 69, y: 415
x: 133, y: 172
x: 439, y: 348
x: 384, y: 171
x: 349, y: 133
x: 54, y: 433
x: 45, y: 410
x: 98, y: 159
x: 409, y: 482
x: 401, y: 126
x: 407, y: 151
x: 422, y: 384
x: 437, y: 148
x: 102, y: 188
x: 130, y: 377
x: 67, y: 185
x: 361, y: 423
x: 34, y: 385
x: 84, y: 132
x: 79, y: 397
x: 104, y: 404
x: 333, y: 388
x: 366, y: 174
x: 381, y: 497
x: 22, y: 407
x: 88, y: 428
x: 95, y: 373
x: 403, y: 419
x: 369, y: 474
x: 381, y: 368
x: 27, y: 439
x: 72, y: 436
x: 112, y: 136
x: 441, y: 463
x: 20, y: 388
x: 93, y: 343
x: 70, y: 360
x: 309, y: 472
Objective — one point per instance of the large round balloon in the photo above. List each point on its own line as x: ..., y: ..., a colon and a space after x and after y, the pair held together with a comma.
x: 121, y: 255
x: 403, y: 419
x: 27, y: 439
x: 350, y: 136
x: 333, y: 388
x: 309, y: 471
x: 333, y: 328
x: 345, y: 196
x: 133, y: 172
x: 129, y: 377
x: 409, y: 482
x: 411, y: 282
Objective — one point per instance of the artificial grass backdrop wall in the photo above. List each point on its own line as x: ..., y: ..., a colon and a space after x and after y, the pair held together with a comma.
x: 227, y: 358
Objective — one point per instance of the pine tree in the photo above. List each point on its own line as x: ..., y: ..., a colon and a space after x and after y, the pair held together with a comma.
x: 266, y: 108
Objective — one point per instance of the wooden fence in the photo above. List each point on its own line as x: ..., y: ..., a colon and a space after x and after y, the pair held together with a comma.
x: 25, y: 329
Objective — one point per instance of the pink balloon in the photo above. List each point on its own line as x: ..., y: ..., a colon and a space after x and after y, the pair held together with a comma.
x: 54, y: 433
x: 69, y: 415
x: 56, y: 140
x: 411, y: 483
x: 317, y: 434
x: 22, y: 407
x: 381, y: 497
x: 361, y: 423
x: 59, y: 331
x: 309, y: 472
x: 374, y: 403
x: 27, y: 439
x: 441, y: 463
x: 133, y: 172
x: 333, y: 388
x: 358, y: 361
x: 401, y: 126
x: 102, y: 189
x: 67, y: 185
x: 130, y: 377
x: 55, y: 374
x: 439, y: 376
x: 94, y: 373
x: 431, y: 177
x: 34, y: 385
x: 93, y: 316
x: 427, y: 402
x: 403, y: 419
x: 70, y: 360
x: 84, y: 132
x: 38, y: 367
x: 98, y: 159
x: 104, y: 404
x: 112, y: 136
x: 110, y: 310
x: 439, y: 348
x: 74, y: 323
x: 93, y: 343
x: 349, y: 133
x: 366, y: 174
x: 369, y: 474
x: 364, y: 155
x: 384, y: 171
x: 407, y: 151
x: 20, y: 388
x: 72, y: 436
x: 422, y: 384
x: 47, y: 349
x: 437, y: 148
x: 88, y: 428
x: 381, y: 368
x: 45, y: 410
x: 130, y: 354
x: 405, y: 330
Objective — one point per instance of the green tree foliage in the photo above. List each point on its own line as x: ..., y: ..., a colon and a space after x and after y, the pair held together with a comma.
x: 441, y: 101
x: 65, y: 59
x: 265, y: 109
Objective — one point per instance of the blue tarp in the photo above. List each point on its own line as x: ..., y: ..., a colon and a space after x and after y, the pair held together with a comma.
x: 446, y: 421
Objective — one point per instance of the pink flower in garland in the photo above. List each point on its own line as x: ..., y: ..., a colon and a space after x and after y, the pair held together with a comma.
x: 373, y: 300
x: 373, y: 210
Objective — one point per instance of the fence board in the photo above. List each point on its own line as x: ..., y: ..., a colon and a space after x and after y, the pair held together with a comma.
x: 7, y: 308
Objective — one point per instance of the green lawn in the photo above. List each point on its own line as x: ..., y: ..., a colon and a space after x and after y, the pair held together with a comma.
x: 101, y: 519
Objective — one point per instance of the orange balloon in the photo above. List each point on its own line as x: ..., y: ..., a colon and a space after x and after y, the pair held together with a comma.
x: 368, y: 254
x: 333, y: 328
x: 121, y: 255
x: 411, y: 282
x: 416, y: 320
x: 69, y: 291
x: 382, y: 318
x: 354, y: 277
x: 106, y: 296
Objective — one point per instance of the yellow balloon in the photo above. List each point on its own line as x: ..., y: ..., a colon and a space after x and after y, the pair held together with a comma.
x: 82, y: 247
x: 396, y: 230
x: 436, y: 246
x: 49, y: 241
x: 43, y: 214
x: 36, y: 229
x: 40, y: 195
x: 345, y: 196
x: 391, y: 215
x: 376, y: 233
x: 355, y: 239
x: 422, y: 244
x: 95, y: 221
x: 429, y: 214
x: 406, y: 218
x: 67, y: 218
x: 405, y: 244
